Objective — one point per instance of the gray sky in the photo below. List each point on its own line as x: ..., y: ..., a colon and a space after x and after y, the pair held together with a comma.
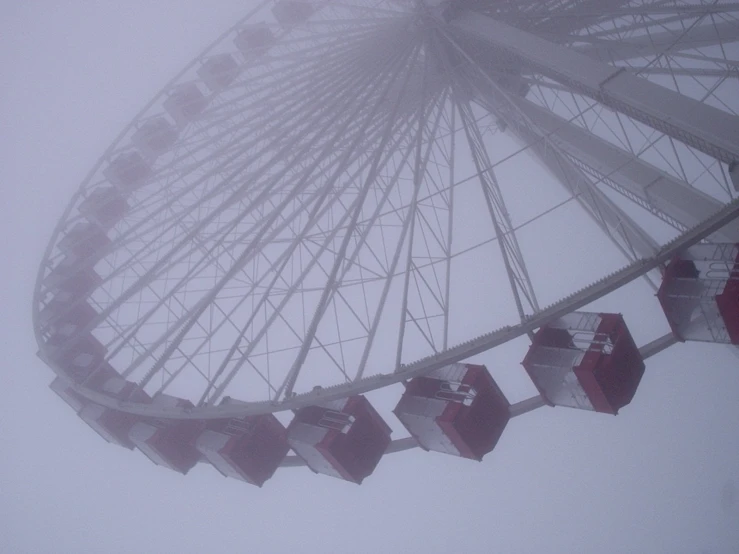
x: 560, y: 481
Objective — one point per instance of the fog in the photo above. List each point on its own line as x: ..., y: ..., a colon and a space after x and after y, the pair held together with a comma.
x: 660, y: 477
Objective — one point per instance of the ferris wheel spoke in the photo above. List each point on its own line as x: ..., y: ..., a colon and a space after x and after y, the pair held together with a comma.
x: 726, y: 63
x: 193, y: 271
x: 654, y: 17
x: 324, y: 233
x: 351, y: 177
x: 418, y: 169
x: 242, y: 299
x: 326, y: 94
x: 644, y: 143
x: 329, y: 91
x: 292, y: 77
x: 511, y: 254
x: 236, y: 348
x: 565, y: 18
x: 728, y: 73
x: 392, y: 265
x: 362, y: 244
x: 615, y: 48
x: 439, y: 249
x: 248, y: 253
x: 323, y: 37
x: 450, y: 225
x: 339, y: 25
x: 421, y: 157
x: 285, y: 149
x: 640, y: 13
x: 378, y: 8
x: 327, y: 293
x: 699, y: 125
x: 186, y: 323
x: 669, y: 198
x: 314, y: 260
x: 629, y: 237
x: 614, y: 219
x: 131, y: 333
x: 619, y: 226
x: 407, y: 225
x: 235, y: 158
x: 513, y: 261
x: 246, y: 294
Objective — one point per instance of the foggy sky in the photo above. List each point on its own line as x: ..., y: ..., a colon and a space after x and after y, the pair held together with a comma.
x: 651, y: 479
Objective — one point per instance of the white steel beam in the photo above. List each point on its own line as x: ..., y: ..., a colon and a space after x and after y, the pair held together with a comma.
x: 698, y: 125
x: 579, y: 15
x: 653, y: 44
x: 630, y: 238
x: 670, y: 195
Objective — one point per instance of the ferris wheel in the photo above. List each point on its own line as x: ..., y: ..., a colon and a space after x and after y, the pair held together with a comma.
x: 337, y: 197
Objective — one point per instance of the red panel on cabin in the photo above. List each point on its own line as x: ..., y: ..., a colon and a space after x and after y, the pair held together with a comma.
x: 355, y: 453
x: 172, y: 443
x: 112, y: 425
x: 476, y: 429
x: 169, y: 442
x: 608, y: 370
x: 728, y: 306
x: 255, y: 446
x: 473, y: 427
x: 610, y: 379
x: 728, y: 303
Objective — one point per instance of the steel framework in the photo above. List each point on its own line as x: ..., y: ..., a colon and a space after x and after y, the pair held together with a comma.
x: 309, y: 205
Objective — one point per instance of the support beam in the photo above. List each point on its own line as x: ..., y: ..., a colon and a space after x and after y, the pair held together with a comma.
x: 526, y: 406
x: 658, y: 345
x: 703, y: 127
x: 653, y: 44
x: 578, y: 15
x: 628, y: 236
x: 670, y: 195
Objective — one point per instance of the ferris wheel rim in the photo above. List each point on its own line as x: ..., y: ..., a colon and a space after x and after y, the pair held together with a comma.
x: 287, y: 403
